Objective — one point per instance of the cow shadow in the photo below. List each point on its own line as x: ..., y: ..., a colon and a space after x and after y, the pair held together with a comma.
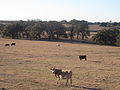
x: 88, y: 88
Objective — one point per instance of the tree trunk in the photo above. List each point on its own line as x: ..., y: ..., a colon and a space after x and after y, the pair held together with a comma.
x: 82, y: 36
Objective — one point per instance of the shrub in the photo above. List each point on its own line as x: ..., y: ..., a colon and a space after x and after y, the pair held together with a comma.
x: 106, y: 37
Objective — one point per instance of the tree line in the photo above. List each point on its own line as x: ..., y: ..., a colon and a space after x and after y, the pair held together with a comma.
x: 72, y: 30
x: 36, y: 30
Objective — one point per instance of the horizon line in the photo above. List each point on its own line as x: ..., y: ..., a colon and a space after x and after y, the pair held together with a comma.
x: 55, y: 20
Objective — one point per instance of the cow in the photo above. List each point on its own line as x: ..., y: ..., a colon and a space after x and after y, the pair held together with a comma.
x: 62, y: 74
x: 4, y: 89
x: 58, y: 45
x: 82, y: 57
x: 13, y: 44
x: 7, y: 44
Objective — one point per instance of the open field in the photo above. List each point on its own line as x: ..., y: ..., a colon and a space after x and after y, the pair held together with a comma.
x: 26, y: 66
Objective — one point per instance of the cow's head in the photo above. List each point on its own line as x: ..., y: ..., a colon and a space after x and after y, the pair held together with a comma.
x: 53, y: 70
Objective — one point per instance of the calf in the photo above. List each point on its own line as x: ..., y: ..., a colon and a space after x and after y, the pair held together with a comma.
x: 82, y: 57
x: 7, y: 44
x: 62, y: 74
x: 13, y: 44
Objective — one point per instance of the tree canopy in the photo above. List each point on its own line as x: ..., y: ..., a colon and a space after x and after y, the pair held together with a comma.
x: 37, y: 29
x: 107, y: 37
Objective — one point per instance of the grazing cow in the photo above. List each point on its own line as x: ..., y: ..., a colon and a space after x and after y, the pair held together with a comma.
x: 62, y: 74
x: 7, y: 44
x: 82, y: 57
x: 13, y: 44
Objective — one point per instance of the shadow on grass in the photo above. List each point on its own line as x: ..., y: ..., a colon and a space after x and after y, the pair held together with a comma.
x: 70, y: 41
x: 88, y: 88
x: 63, y: 40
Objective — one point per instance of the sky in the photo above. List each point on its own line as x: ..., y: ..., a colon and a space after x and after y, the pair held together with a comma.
x: 46, y: 10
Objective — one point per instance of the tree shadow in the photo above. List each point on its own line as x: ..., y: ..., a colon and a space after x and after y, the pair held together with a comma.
x: 88, y: 88
x: 65, y: 41
x: 71, y: 41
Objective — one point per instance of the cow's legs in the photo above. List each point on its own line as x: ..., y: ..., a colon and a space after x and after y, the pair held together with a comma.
x: 58, y: 79
x: 71, y: 81
x: 66, y: 81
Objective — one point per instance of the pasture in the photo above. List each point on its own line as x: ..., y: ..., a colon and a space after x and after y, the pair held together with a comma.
x: 26, y: 66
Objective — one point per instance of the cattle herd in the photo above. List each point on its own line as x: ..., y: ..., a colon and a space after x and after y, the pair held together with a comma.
x: 12, y: 44
x: 65, y: 74
x: 59, y: 73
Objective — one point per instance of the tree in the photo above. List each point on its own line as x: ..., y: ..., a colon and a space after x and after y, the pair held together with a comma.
x: 118, y: 40
x: 74, y: 21
x: 11, y: 30
x: 37, y: 30
x: 104, y: 24
x: 59, y: 30
x: 81, y: 29
x: 72, y: 28
x: 22, y: 25
x: 34, y: 30
x: 106, y: 37
x: 55, y: 29
x: 71, y: 32
x: 115, y: 24
x: 14, y: 30
x: 2, y: 26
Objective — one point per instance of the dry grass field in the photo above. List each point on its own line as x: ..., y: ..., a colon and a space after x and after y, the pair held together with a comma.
x: 26, y: 66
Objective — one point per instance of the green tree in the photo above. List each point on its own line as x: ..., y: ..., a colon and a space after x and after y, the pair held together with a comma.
x: 107, y: 37
x: 104, y: 24
x: 34, y: 30
x: 28, y: 29
x: 12, y: 30
x: 2, y: 26
x: 81, y: 29
x: 55, y: 29
x: 72, y: 28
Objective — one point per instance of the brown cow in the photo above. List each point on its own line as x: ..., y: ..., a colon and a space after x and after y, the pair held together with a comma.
x: 7, y: 44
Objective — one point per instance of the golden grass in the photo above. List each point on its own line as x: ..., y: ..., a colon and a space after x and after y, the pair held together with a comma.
x: 26, y: 66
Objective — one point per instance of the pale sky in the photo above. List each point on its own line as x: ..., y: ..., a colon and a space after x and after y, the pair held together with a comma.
x: 89, y: 10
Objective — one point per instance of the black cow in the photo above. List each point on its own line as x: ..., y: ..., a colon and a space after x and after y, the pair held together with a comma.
x: 13, y: 44
x: 82, y: 57
x: 7, y: 44
x: 4, y: 89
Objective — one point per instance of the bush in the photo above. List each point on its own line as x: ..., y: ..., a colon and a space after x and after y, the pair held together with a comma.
x: 106, y: 37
